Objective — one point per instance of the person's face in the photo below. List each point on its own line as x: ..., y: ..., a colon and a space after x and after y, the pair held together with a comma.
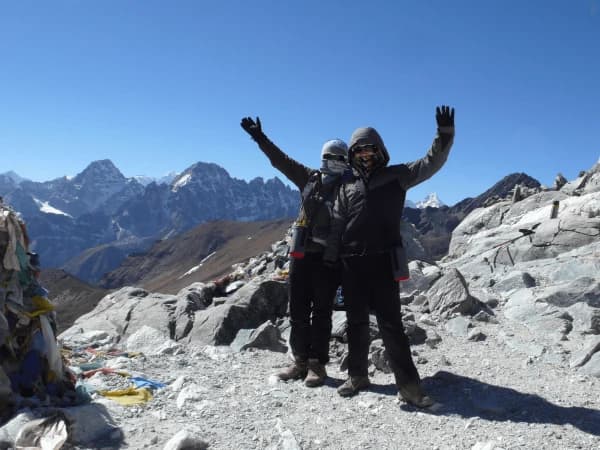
x: 366, y: 155
x: 332, y: 157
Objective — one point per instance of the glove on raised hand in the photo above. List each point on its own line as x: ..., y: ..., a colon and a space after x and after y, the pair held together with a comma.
x: 444, y: 116
x: 253, y: 128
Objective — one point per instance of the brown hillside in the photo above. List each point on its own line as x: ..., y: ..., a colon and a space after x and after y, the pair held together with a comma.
x: 71, y: 296
x: 163, y: 268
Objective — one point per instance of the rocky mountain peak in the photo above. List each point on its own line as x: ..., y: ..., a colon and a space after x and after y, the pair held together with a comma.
x: 13, y: 176
x: 505, y: 186
x: 431, y: 201
x: 501, y: 190
x: 101, y: 171
x: 201, y: 173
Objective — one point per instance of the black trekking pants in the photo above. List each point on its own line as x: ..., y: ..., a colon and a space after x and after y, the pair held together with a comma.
x: 368, y: 283
x: 312, y: 288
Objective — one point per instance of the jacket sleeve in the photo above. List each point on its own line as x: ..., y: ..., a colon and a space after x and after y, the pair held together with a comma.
x: 294, y: 171
x: 422, y: 169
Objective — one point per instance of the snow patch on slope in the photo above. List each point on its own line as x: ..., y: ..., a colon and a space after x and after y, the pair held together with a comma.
x: 195, y: 268
x: 45, y: 207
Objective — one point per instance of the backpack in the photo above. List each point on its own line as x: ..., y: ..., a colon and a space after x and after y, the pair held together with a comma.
x: 316, y: 210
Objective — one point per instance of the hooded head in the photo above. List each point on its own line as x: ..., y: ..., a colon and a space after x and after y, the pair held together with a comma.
x: 367, y: 151
x: 334, y: 157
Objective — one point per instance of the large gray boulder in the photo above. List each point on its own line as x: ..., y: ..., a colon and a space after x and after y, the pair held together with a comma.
x: 586, y: 318
x: 190, y: 299
x: 581, y: 357
x: 422, y: 276
x: 548, y: 321
x: 123, y: 312
x: 450, y: 295
x: 494, y: 232
x: 592, y: 367
x: 266, y: 337
x: 558, y: 236
x: 151, y: 342
x: 581, y: 290
x: 513, y: 280
x: 249, y: 307
x: 592, y: 183
x: 586, y: 183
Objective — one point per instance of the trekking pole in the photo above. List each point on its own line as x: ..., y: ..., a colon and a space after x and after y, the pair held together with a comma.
x: 524, y: 232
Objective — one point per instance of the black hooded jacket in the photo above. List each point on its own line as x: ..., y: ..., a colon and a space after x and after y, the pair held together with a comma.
x: 368, y: 209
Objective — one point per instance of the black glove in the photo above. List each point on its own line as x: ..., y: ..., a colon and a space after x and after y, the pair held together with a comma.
x: 253, y: 128
x: 444, y: 115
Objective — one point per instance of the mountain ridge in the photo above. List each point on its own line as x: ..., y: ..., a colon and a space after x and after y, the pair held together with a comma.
x: 100, y: 206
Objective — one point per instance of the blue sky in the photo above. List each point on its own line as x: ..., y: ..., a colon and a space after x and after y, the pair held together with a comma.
x: 156, y: 86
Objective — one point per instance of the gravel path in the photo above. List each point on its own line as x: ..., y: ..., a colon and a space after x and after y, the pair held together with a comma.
x: 489, y: 397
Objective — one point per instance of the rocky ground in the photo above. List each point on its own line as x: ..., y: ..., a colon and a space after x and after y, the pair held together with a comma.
x: 489, y: 396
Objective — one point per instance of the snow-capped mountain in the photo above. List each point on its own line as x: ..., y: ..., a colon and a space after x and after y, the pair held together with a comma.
x: 202, y: 193
x: 431, y: 201
x: 100, y: 206
x: 84, y: 193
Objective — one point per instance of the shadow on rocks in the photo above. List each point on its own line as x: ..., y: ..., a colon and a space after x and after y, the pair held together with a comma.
x: 333, y: 382
x: 468, y: 397
x: 381, y: 389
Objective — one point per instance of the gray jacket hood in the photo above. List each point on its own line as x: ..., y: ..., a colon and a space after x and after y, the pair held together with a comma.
x: 368, y: 135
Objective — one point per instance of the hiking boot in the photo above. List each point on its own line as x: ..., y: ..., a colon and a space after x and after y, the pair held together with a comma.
x: 295, y: 371
x: 352, y: 385
x: 413, y: 394
x: 316, y: 373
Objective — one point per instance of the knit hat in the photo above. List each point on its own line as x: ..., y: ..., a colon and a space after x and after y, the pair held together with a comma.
x: 335, y: 149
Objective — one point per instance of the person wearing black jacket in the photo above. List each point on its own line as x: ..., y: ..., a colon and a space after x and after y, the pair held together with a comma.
x: 365, y: 234
x: 312, y: 285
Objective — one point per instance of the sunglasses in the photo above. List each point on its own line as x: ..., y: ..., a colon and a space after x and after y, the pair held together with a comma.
x: 331, y: 157
x: 365, y: 148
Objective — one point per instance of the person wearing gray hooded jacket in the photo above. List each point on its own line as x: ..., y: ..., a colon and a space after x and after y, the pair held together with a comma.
x: 312, y: 284
x: 365, y: 235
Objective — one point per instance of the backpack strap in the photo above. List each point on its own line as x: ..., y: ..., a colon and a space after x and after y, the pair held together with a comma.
x: 313, y: 181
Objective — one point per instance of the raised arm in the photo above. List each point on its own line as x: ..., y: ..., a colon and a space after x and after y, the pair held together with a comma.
x: 297, y: 173
x: 422, y: 169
